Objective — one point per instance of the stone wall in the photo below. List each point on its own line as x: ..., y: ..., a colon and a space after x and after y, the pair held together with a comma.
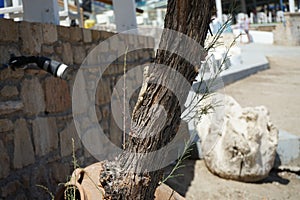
x: 288, y: 33
x: 36, y: 123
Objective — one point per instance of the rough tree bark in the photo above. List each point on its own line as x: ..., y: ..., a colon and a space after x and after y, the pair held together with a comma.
x: 192, y: 18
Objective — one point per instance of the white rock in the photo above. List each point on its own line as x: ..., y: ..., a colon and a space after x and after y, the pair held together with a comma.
x: 237, y: 143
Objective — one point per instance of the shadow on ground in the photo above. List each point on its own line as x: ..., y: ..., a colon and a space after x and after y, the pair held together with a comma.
x: 184, y: 177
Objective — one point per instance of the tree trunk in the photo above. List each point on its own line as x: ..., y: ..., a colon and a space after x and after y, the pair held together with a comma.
x: 135, y: 179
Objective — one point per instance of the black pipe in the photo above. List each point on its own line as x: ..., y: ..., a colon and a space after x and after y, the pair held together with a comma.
x: 55, y: 68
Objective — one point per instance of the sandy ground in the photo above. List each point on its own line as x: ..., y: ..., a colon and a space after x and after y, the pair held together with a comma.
x: 279, y: 90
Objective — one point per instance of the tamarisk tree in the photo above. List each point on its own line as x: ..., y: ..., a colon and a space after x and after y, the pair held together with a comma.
x: 135, y: 179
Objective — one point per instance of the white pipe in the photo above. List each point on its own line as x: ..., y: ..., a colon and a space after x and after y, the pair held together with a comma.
x: 11, y: 9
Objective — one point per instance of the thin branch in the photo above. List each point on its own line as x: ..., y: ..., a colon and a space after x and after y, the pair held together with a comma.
x: 47, y: 190
x: 124, y: 99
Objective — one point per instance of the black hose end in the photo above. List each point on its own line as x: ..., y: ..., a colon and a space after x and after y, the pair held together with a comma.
x: 55, y: 68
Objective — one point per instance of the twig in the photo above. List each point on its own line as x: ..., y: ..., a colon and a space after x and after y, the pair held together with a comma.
x: 124, y: 99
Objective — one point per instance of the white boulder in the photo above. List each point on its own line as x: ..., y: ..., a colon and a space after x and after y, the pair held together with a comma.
x: 237, y: 143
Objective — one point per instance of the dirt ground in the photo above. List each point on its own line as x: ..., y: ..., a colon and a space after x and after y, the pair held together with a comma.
x: 279, y: 90
x: 199, y: 184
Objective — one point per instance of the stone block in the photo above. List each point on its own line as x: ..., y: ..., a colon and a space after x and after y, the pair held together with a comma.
x: 116, y: 134
x: 67, y: 54
x: 132, y: 56
x: 75, y: 34
x: 49, y: 33
x: 39, y: 175
x: 47, y: 49
x: 34, y: 71
x: 105, y: 35
x: 23, y: 149
x: 53, y: 158
x: 4, y: 161
x: 8, y: 107
x: 57, y: 95
x: 98, y: 113
x: 104, y: 91
x: 57, y: 58
x: 32, y: 96
x: 96, y: 35
x: 63, y: 33
x: 78, y: 54
x: 9, y: 31
x: 84, y: 123
x: 20, y: 196
x: 143, y: 40
x: 9, y: 91
x: 104, y: 48
x: 44, y: 135
x: 90, y: 47
x: 117, y: 44
x: 151, y: 41
x: 59, y: 171
x: 66, y: 136
x: 87, y: 153
x: 6, y: 125
x: 58, y: 48
x: 106, y: 111
x: 6, y: 50
x: 32, y: 37
x: 132, y: 39
x: 10, y: 189
x: 114, y: 69
x: 94, y: 144
x: 80, y: 95
x: 105, y: 127
x: 26, y: 180
x: 87, y: 35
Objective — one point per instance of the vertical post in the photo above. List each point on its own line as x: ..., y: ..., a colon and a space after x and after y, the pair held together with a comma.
x: 125, y: 16
x: 79, y: 14
x: 15, y: 3
x: 219, y: 10
x: 44, y: 11
x: 251, y: 18
x: 66, y: 10
x: 292, y: 6
x: 269, y: 17
x: 160, y: 19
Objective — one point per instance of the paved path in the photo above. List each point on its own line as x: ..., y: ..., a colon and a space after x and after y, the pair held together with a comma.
x: 278, y: 88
